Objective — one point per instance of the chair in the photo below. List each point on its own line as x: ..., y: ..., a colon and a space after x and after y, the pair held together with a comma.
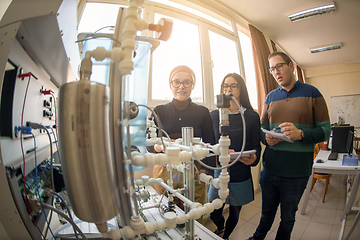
x: 317, y: 176
x: 321, y: 176
x: 357, y: 145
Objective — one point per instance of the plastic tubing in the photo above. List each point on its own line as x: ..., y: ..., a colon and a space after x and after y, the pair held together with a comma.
x: 180, y: 196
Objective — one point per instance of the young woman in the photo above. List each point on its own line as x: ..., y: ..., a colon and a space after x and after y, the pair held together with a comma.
x: 240, y: 185
x: 182, y: 112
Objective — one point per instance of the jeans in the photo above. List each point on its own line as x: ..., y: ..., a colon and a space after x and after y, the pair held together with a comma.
x: 279, y: 190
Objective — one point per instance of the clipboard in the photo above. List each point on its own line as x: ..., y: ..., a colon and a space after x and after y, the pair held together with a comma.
x: 277, y: 135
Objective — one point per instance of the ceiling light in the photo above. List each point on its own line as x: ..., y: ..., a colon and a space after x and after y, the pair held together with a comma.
x: 328, y: 8
x: 326, y: 48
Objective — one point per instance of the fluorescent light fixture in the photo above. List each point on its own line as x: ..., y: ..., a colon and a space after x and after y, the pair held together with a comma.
x: 326, y: 48
x: 328, y: 8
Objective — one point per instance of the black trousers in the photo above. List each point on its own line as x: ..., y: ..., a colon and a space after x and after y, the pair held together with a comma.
x: 217, y: 217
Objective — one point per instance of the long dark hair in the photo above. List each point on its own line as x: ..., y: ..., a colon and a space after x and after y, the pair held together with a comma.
x: 244, y: 96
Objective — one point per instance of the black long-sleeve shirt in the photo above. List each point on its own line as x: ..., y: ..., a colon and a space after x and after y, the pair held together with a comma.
x: 194, y: 115
x: 240, y: 172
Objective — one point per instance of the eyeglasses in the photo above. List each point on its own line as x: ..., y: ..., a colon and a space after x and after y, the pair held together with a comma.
x: 278, y: 67
x: 177, y: 83
x: 233, y: 87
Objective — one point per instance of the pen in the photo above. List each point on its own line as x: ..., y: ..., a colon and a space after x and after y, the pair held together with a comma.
x: 278, y: 128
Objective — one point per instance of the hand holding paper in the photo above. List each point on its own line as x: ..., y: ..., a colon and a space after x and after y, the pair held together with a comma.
x: 277, y: 135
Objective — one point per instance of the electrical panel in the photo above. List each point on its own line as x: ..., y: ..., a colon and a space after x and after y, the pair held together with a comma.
x: 34, y: 64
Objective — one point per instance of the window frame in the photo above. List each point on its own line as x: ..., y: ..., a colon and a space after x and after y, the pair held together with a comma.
x: 204, y: 25
x: 237, y: 23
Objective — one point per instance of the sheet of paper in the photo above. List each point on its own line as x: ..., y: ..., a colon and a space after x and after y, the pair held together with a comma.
x: 277, y: 135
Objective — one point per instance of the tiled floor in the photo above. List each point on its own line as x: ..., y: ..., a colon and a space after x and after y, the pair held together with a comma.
x: 321, y: 221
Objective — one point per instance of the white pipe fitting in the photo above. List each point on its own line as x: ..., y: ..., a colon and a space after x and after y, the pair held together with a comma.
x: 173, y: 154
x: 206, y: 178
x: 201, y: 152
x: 116, y: 54
x: 216, y: 149
x: 179, y: 195
x: 224, y: 159
x: 148, y: 159
x: 223, y: 191
x: 170, y: 221
x: 180, y: 167
x: 137, y: 224
x: 215, y: 183
x: 153, y: 134
x: 184, y: 157
x: 170, y: 218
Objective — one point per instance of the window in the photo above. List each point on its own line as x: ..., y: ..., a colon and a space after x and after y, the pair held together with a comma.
x: 225, y: 23
x: 200, y: 39
x: 98, y: 16
x: 246, y: 49
x: 224, y: 59
x: 183, y: 48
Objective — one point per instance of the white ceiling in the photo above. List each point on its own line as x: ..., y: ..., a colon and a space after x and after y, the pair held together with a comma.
x: 296, y: 38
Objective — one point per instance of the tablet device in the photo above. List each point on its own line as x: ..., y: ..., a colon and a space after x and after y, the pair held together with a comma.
x: 244, y: 154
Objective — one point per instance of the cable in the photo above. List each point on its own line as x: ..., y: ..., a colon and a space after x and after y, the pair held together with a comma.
x: 23, y: 155
x: 37, y: 187
x: 67, y: 207
x: 195, y: 167
x: 167, y: 135
x: 242, y: 147
x: 51, y: 214
x: 76, y: 221
x: 104, y: 28
x: 66, y: 217
x: 55, y: 143
x: 51, y: 160
x: 93, y: 37
x: 57, y: 134
x: 40, y: 126
x: 63, y: 227
x: 162, y: 196
x: 159, y: 123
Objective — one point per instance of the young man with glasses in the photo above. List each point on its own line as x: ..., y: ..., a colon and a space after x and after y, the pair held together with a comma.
x: 300, y: 111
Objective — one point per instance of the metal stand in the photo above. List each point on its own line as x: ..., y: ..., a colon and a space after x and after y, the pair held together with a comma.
x: 189, y: 183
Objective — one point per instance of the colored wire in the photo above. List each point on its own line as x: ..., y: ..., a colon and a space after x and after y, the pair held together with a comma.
x: 37, y: 188
x: 56, y: 144
x: 66, y: 217
x: 51, y: 158
x: 67, y: 207
x: 57, y: 135
x: 23, y: 155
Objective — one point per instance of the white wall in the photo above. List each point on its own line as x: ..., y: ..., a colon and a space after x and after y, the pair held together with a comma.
x: 335, y: 80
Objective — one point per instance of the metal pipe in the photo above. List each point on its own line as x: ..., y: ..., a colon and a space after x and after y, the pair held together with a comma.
x: 189, y: 182
x: 177, y: 194
x: 135, y: 208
